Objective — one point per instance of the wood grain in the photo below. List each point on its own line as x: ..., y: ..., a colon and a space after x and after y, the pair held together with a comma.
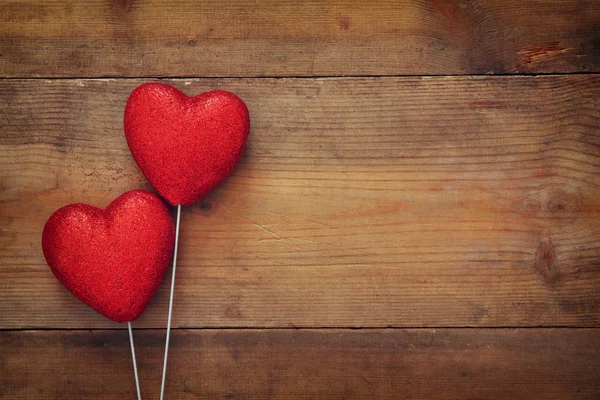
x: 98, y: 38
x: 451, y: 201
x: 306, y: 364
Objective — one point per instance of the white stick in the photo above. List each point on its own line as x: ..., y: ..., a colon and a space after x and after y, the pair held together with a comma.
x: 164, y: 375
x: 137, y: 380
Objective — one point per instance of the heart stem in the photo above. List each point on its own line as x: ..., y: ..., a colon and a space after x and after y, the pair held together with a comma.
x: 135, y: 371
x: 164, y: 374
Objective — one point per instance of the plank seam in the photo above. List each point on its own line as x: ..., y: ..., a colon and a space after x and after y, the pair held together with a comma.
x: 325, y: 328
x: 307, y: 77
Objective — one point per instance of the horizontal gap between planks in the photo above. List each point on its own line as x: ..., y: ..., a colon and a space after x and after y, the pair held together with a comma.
x: 311, y: 328
x: 37, y: 78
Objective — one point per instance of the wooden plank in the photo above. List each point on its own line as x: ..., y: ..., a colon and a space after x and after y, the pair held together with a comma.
x: 454, y: 201
x: 306, y: 364
x: 97, y: 38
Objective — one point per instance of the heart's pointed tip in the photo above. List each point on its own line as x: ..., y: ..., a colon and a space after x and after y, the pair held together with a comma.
x: 123, y: 317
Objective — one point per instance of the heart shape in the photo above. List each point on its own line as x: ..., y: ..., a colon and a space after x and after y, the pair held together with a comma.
x: 185, y: 146
x: 114, y: 259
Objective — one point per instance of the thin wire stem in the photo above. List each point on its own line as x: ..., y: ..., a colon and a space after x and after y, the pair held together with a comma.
x: 135, y: 371
x: 164, y: 374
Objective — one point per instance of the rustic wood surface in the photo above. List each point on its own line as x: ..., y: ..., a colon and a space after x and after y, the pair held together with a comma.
x: 385, y: 236
x: 360, y: 202
x: 308, y: 364
x: 71, y: 38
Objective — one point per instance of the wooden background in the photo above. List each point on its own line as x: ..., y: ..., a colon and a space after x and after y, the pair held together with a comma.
x: 417, y: 214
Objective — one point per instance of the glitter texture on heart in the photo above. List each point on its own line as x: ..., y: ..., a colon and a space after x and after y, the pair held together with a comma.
x: 185, y: 146
x: 114, y: 259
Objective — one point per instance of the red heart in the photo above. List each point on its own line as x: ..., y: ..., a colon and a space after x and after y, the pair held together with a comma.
x: 114, y: 259
x: 185, y: 146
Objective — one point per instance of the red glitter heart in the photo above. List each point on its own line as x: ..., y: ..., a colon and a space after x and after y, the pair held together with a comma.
x: 185, y: 146
x: 114, y: 259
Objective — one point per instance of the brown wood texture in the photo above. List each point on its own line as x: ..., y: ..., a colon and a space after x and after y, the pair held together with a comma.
x: 398, y: 227
x: 70, y: 38
x: 360, y: 202
x: 307, y: 364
